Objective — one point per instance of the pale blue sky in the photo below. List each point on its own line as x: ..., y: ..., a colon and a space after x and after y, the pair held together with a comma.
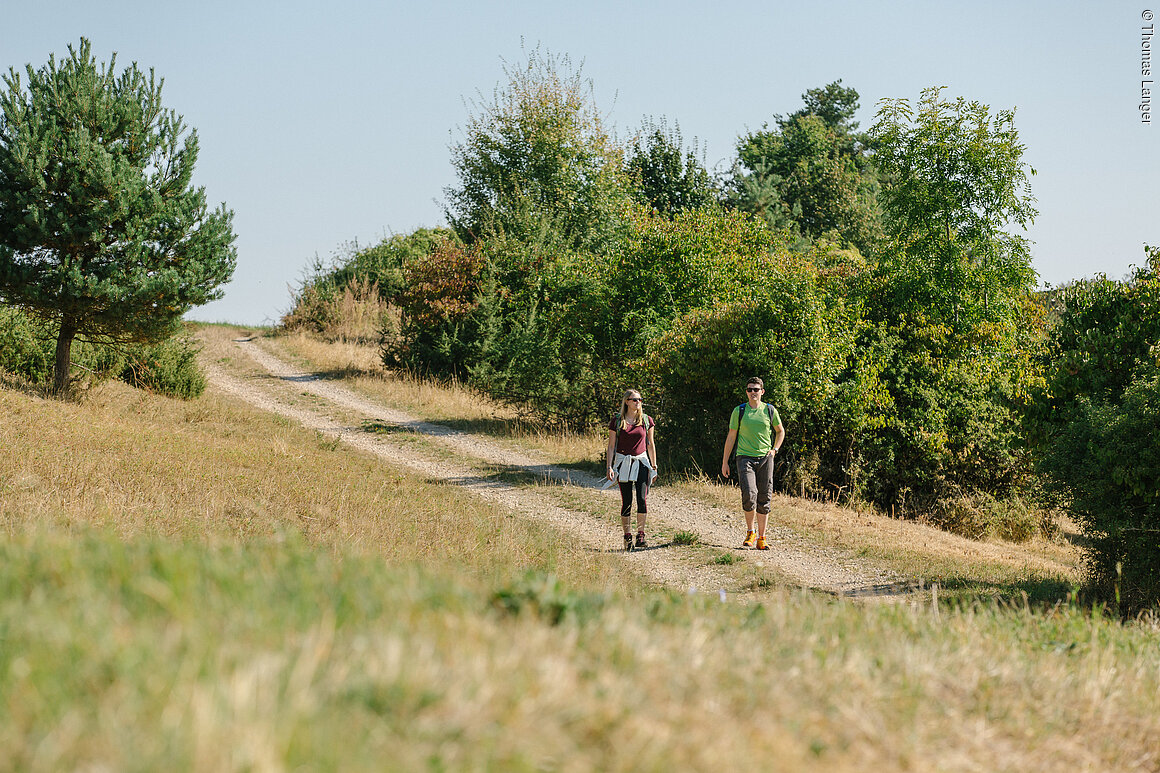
x: 322, y: 123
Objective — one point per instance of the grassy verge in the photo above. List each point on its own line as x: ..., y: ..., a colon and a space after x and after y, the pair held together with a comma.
x: 274, y: 654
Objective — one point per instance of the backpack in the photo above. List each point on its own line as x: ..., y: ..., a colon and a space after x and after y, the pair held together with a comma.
x: 648, y: 424
x: 768, y: 410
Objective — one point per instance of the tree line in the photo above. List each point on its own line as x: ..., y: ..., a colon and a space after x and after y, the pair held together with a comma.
x: 870, y: 277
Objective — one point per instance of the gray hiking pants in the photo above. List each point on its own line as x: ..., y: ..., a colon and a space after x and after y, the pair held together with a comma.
x: 755, y: 474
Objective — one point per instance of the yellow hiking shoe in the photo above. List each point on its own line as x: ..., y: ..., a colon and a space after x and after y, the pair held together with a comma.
x: 750, y: 536
x: 761, y: 544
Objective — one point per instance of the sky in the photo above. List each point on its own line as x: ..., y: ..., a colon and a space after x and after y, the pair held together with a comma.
x: 322, y: 125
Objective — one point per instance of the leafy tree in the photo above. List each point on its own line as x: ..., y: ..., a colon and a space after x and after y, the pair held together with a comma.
x: 955, y: 180
x: 835, y: 105
x: 756, y: 188
x: 100, y: 230
x: 541, y: 202
x: 536, y: 165
x: 951, y: 297
x: 664, y: 176
x: 812, y: 169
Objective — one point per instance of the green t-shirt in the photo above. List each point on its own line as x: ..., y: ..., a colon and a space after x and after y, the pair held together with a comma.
x: 755, y: 435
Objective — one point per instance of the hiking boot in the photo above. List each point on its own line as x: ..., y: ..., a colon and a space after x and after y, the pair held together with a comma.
x: 761, y: 544
x: 628, y: 542
x: 750, y: 536
x: 641, y: 542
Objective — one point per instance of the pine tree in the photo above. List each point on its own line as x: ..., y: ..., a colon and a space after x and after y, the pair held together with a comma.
x: 101, y: 232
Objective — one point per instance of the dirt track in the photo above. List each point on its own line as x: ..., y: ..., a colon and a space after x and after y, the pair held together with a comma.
x: 329, y: 410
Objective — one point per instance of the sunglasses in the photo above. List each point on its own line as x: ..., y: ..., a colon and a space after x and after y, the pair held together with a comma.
x: 633, y: 399
x: 752, y: 389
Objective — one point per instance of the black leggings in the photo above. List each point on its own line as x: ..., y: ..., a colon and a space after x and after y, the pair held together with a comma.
x: 641, y: 486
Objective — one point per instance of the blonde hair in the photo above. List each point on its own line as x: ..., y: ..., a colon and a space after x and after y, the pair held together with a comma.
x: 638, y: 419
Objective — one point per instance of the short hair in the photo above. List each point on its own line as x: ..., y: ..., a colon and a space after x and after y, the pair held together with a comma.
x: 755, y: 380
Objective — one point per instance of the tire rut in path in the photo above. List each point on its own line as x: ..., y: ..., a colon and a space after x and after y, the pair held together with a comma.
x: 811, y: 566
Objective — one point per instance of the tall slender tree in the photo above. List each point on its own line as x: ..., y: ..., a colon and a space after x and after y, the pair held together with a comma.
x: 951, y: 290
x: 101, y: 232
x: 536, y: 164
x: 957, y: 191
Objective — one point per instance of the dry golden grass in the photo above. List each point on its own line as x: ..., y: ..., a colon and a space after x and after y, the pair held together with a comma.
x: 1045, y: 569
x: 355, y: 314
x: 217, y: 470
x: 448, y: 402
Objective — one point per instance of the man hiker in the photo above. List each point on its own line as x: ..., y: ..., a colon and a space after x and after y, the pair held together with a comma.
x: 757, y: 430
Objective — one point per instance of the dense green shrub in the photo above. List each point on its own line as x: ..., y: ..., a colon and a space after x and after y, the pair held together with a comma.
x: 1107, y: 458
x: 667, y: 267
x: 1096, y: 426
x: 348, y: 297
x: 438, y: 330
x: 954, y: 428
x: 1106, y: 333
x: 26, y: 346
x: 513, y: 320
x: 788, y: 326
x: 562, y: 332
x: 170, y: 367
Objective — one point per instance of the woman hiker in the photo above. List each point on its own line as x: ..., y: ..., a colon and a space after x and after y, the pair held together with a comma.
x: 757, y: 429
x: 632, y: 462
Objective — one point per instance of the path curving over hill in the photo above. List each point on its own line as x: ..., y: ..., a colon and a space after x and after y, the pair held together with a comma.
x: 338, y: 412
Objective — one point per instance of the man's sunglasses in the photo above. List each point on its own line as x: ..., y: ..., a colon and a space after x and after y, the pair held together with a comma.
x: 752, y: 389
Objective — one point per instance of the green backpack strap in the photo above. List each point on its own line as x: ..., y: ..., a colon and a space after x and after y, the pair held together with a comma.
x: 648, y: 423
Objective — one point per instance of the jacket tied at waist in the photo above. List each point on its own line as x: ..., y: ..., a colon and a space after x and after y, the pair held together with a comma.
x: 626, y: 468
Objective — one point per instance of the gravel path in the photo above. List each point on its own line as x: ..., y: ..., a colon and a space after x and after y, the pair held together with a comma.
x: 797, y: 561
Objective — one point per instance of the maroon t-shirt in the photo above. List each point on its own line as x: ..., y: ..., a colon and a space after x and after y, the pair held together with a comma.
x: 633, y: 439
